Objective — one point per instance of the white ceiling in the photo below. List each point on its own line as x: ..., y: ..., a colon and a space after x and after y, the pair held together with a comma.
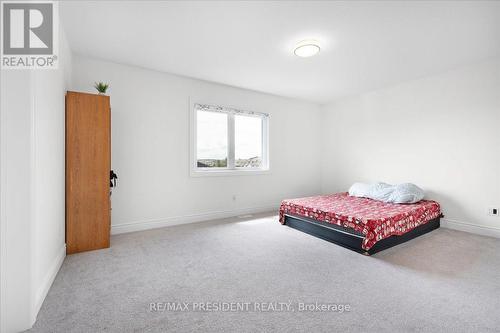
x: 365, y: 45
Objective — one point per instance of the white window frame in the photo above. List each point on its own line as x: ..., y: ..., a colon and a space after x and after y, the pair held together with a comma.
x: 231, y: 169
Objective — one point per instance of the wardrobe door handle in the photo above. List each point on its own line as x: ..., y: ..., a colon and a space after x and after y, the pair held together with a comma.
x: 112, y: 178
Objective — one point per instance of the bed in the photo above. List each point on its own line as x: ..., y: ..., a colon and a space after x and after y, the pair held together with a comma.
x: 363, y: 225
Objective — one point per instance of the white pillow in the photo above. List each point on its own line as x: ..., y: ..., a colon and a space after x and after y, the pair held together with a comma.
x: 361, y: 190
x: 401, y: 193
x: 406, y: 193
x: 381, y: 191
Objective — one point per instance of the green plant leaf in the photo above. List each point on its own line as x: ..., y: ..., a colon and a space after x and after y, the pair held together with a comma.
x: 101, y: 86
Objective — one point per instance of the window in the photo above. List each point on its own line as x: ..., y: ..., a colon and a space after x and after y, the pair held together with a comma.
x: 212, y: 139
x: 228, y: 140
x: 247, y: 141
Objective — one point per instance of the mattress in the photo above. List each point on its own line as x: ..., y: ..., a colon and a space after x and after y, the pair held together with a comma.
x: 376, y: 220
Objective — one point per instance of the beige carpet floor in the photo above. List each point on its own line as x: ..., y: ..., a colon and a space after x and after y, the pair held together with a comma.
x: 444, y: 281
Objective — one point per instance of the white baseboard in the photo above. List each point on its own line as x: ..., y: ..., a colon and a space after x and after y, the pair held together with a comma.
x: 48, y: 280
x: 469, y: 227
x: 193, y: 218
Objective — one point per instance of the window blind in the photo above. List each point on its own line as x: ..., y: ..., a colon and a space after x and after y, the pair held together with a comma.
x: 225, y: 109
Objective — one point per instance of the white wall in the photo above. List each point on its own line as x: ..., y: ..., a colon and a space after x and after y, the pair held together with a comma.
x: 150, y: 139
x: 31, y: 188
x: 15, y: 194
x: 440, y: 132
x: 49, y: 244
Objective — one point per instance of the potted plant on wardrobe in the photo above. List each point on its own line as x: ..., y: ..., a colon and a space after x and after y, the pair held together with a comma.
x: 101, y: 87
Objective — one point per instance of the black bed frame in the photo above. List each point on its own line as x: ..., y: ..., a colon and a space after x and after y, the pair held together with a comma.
x: 351, y: 239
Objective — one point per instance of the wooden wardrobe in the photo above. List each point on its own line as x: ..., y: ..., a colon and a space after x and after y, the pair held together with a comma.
x: 88, y: 164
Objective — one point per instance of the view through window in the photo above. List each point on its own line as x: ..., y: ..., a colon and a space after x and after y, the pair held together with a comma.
x: 212, y: 142
x: 230, y: 139
x: 248, y: 141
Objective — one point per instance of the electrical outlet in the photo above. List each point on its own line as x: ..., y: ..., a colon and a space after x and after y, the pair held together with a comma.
x: 493, y: 211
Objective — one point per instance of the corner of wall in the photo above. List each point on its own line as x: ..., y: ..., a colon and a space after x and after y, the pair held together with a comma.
x: 49, y: 278
x: 47, y: 216
x: 324, y: 110
x: 66, y: 56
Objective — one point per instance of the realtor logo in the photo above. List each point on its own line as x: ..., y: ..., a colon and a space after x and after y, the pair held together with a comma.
x: 28, y: 31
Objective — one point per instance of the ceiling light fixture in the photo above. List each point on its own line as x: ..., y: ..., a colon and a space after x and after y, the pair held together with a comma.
x: 307, y: 48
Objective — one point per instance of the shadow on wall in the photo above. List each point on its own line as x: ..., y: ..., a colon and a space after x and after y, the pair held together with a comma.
x: 449, y: 207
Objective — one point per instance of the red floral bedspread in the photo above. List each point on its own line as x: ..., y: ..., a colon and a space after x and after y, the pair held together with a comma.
x: 375, y: 219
